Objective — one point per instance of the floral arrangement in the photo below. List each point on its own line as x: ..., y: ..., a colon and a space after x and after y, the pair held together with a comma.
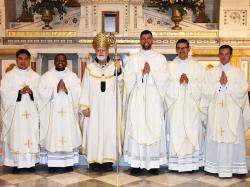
x: 181, y: 5
x: 39, y: 6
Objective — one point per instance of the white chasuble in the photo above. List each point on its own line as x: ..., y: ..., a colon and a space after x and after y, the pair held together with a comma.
x: 145, y: 123
x: 20, y: 133
x: 184, y: 120
x: 99, y: 95
x: 228, y: 115
x: 60, y: 130
x: 227, y: 104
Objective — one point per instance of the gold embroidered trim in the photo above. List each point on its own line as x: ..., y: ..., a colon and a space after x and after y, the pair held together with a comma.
x: 101, y: 161
x: 98, y: 77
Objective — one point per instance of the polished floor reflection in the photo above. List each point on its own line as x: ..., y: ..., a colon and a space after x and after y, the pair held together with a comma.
x: 81, y: 176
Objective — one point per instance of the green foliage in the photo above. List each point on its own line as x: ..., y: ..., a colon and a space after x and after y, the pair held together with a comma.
x: 182, y: 5
x: 39, y: 6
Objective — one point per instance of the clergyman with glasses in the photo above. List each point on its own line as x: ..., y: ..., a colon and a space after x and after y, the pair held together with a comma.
x: 183, y: 94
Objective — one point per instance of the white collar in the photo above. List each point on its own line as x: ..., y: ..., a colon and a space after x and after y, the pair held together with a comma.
x: 60, y: 74
x: 146, y: 52
x: 225, y: 67
x: 187, y: 60
x: 23, y: 70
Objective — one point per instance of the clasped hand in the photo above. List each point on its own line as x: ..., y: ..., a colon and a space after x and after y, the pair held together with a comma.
x: 183, y: 78
x: 146, y: 68
x: 26, y: 89
x: 61, y: 86
x: 223, y: 78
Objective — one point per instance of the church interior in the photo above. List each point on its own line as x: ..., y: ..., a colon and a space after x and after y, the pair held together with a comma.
x: 215, y: 23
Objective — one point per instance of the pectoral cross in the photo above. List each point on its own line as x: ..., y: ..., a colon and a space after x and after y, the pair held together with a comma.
x: 62, y: 141
x: 26, y: 114
x: 29, y: 143
x: 222, y: 103
x: 62, y: 112
x: 221, y: 131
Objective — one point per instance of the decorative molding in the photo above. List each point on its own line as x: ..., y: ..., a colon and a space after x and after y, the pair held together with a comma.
x: 135, y: 16
x: 136, y: 2
x: 206, y: 34
x: 235, y: 18
x: 85, y: 41
x: 85, y: 2
x: 94, y: 17
x: 22, y: 40
x: 155, y: 18
x: 235, y: 42
x: 208, y: 42
x: 71, y: 20
x: 236, y: 53
x: 120, y: 40
x: 86, y: 17
x: 126, y: 17
x: 41, y: 33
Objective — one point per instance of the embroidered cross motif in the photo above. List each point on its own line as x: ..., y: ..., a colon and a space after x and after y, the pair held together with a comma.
x: 28, y: 143
x: 26, y: 114
x: 62, y: 112
x: 222, y: 103
x: 221, y: 131
x: 62, y: 140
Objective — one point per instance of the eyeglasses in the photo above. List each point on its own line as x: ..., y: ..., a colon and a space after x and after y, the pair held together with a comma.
x: 181, y: 48
x: 224, y: 54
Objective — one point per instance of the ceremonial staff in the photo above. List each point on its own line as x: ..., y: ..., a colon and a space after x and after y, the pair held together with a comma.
x: 112, y: 41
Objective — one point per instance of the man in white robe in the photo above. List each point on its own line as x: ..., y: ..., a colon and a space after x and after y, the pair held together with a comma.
x: 98, y: 106
x: 19, y: 115
x: 60, y: 134
x: 144, y: 78
x: 225, y: 99
x: 183, y: 94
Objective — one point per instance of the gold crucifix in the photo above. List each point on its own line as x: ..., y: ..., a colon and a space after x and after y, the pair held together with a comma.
x: 26, y: 114
x: 28, y: 143
x: 222, y: 103
x: 62, y: 140
x: 62, y: 112
x: 221, y: 131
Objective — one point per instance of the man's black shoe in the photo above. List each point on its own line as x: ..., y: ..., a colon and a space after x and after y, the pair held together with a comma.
x: 32, y: 169
x: 52, y: 169
x: 15, y: 170
x: 95, y: 166
x: 69, y: 169
x: 107, y: 166
x: 135, y: 171
x: 154, y: 171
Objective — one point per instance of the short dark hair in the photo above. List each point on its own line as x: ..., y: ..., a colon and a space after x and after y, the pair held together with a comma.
x: 146, y: 32
x: 226, y: 47
x: 60, y: 54
x: 182, y: 40
x: 23, y: 51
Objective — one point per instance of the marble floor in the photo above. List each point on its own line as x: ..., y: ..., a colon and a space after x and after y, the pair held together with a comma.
x: 82, y: 177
